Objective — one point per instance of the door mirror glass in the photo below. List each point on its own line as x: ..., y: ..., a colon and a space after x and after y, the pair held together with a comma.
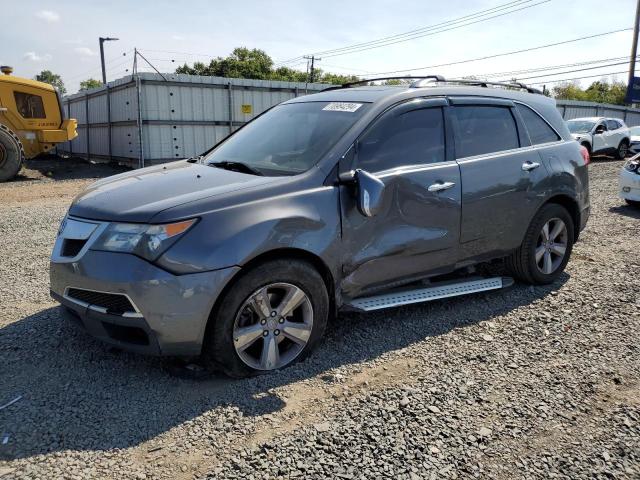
x: 370, y: 190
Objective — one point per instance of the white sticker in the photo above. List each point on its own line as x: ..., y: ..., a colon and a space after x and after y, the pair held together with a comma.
x: 342, y: 107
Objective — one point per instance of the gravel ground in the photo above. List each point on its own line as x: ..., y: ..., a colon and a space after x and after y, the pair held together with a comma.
x: 523, y: 383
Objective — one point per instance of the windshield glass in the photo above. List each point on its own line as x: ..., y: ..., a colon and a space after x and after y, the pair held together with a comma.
x: 580, y: 126
x: 290, y: 138
x: 635, y: 131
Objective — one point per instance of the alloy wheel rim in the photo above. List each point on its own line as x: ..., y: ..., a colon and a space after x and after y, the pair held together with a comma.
x: 273, y: 326
x: 623, y: 150
x: 551, y: 246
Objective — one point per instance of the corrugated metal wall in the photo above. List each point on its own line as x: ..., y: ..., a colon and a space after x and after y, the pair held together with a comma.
x: 184, y: 115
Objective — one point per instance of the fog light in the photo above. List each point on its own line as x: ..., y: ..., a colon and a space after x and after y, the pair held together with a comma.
x: 626, y: 189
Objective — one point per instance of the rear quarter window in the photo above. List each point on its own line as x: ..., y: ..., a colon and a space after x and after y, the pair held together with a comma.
x: 539, y: 130
x: 482, y: 129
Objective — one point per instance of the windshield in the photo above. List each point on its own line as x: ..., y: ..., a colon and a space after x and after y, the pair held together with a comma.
x: 580, y: 126
x: 635, y: 131
x: 288, y: 139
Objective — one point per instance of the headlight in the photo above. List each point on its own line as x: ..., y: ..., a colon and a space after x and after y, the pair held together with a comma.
x: 632, y: 166
x: 147, y: 241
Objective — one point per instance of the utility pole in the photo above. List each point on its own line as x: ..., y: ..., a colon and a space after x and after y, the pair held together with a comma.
x: 634, y: 52
x: 104, y: 72
x: 313, y: 60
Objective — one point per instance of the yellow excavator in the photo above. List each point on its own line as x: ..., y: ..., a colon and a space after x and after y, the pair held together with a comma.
x: 31, y: 121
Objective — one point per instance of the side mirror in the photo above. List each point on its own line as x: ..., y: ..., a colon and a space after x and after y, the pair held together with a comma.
x: 370, y: 192
x: 599, y: 130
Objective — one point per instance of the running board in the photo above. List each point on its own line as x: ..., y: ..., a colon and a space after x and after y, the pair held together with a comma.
x: 435, y: 292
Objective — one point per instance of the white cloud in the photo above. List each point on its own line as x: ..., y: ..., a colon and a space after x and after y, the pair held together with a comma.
x: 34, y: 57
x: 48, y: 16
x: 85, y: 51
x: 177, y: 37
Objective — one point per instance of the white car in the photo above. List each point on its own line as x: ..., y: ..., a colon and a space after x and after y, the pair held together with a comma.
x: 630, y: 181
x: 635, y: 139
x: 601, y: 136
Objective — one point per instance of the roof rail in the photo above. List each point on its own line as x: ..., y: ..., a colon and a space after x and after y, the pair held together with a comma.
x: 486, y: 84
x: 436, y: 78
x: 418, y: 81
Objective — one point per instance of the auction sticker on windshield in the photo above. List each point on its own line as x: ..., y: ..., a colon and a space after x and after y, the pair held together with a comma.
x: 342, y: 107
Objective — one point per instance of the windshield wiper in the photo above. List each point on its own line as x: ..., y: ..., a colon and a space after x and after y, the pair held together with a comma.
x: 237, y: 167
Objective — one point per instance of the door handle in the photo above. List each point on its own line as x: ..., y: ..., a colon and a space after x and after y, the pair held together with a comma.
x: 438, y: 187
x: 528, y: 166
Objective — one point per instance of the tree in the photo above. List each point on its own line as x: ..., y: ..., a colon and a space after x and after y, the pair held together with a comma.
x: 256, y: 64
x: 90, y: 83
x: 600, y: 91
x: 47, y: 76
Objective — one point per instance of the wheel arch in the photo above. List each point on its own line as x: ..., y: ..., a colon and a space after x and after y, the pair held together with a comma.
x: 287, y: 253
x: 571, y: 205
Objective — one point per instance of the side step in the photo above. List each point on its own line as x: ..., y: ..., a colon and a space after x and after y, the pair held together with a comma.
x: 434, y: 292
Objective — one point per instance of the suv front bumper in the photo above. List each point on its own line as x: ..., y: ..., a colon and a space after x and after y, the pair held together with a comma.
x: 169, y: 314
x: 629, y: 185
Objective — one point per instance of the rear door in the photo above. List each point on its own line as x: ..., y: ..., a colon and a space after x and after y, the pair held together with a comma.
x: 615, y: 133
x: 417, y: 229
x: 500, y: 174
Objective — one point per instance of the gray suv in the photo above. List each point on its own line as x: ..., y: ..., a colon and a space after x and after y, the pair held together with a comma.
x: 355, y: 198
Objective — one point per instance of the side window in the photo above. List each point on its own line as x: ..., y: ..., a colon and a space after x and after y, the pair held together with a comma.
x: 484, y: 129
x: 612, y: 125
x: 539, y: 130
x: 29, y: 106
x: 403, y: 137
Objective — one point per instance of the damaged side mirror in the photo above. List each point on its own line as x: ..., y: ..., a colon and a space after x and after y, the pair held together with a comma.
x: 369, y: 190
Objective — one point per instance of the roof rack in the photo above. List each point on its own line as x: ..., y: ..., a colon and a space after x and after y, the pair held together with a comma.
x: 418, y: 82
x: 486, y: 84
x: 435, y: 78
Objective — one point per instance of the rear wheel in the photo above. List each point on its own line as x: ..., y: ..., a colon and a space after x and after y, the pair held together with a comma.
x: 546, y: 248
x: 271, y: 318
x: 623, y: 150
x: 11, y: 154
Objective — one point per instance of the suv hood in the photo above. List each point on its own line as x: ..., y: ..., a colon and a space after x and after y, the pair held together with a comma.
x: 139, y: 195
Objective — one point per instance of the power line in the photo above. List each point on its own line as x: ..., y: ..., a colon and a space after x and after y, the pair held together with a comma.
x: 425, y: 31
x: 573, y: 71
x: 550, y: 67
x: 504, y: 54
x: 580, y: 78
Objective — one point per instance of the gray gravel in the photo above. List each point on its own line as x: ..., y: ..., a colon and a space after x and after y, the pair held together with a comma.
x: 524, y: 383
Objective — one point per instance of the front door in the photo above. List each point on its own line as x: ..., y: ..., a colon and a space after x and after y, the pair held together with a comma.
x: 600, y: 139
x: 416, y: 232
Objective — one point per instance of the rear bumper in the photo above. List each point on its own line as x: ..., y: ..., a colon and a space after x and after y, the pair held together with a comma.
x: 171, y: 310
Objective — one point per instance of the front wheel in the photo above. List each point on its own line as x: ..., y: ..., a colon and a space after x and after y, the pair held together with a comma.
x: 269, y: 319
x: 546, y: 248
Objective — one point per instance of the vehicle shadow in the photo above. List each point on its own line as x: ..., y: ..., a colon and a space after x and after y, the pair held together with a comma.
x: 626, y: 210
x: 78, y: 394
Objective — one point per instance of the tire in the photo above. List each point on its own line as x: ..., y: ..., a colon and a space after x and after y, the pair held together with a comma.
x: 632, y: 203
x: 11, y: 154
x: 523, y: 262
x: 623, y: 150
x: 224, y: 349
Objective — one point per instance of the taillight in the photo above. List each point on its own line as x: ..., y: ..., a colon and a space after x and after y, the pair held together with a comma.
x: 585, y: 154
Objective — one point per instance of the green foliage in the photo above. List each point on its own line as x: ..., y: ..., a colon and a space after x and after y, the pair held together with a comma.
x: 600, y: 91
x: 47, y: 76
x: 90, y: 83
x: 256, y: 64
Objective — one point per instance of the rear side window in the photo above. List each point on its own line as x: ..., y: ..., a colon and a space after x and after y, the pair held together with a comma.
x: 482, y: 129
x: 539, y: 130
x: 412, y: 137
x: 612, y: 125
x: 29, y: 106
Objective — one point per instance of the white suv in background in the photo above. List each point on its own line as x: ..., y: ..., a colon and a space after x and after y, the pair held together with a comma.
x: 601, y: 136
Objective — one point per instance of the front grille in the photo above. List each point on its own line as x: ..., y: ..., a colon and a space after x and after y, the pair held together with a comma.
x: 114, y: 302
x: 72, y: 247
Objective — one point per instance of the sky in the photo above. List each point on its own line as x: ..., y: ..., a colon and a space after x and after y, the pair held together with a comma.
x: 62, y: 36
